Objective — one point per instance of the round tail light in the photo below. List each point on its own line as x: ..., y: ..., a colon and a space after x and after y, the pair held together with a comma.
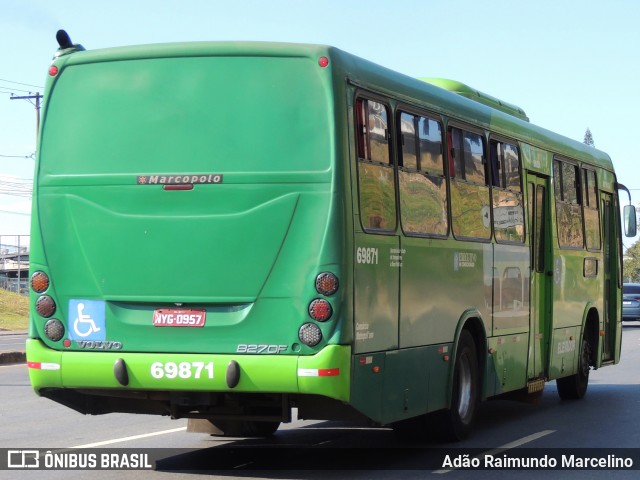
x: 320, y: 310
x: 326, y: 283
x: 54, y: 330
x: 39, y: 282
x: 310, y: 334
x: 45, y: 306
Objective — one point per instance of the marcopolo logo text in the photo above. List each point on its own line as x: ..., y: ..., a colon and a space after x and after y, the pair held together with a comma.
x: 180, y: 179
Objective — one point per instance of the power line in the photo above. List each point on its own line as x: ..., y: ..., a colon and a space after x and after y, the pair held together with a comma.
x: 20, y: 83
x: 18, y: 156
x: 11, y: 90
x: 15, y: 213
x: 11, y: 178
x: 16, y: 186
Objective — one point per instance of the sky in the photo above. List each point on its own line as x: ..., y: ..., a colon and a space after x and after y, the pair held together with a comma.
x: 570, y: 64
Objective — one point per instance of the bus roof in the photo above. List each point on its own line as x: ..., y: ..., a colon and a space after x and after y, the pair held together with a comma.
x: 462, y: 108
x: 455, y: 99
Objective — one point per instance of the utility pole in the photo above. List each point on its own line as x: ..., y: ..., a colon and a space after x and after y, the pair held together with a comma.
x: 30, y: 97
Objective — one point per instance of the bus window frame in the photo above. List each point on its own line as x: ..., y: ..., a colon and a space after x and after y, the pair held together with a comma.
x: 451, y: 176
x: 402, y: 108
x: 558, y: 186
x: 386, y: 102
x: 510, y: 141
x: 584, y: 168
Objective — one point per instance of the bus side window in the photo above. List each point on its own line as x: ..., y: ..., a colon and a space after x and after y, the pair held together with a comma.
x: 376, y: 184
x: 470, y: 204
x: 423, y: 189
x: 568, y: 200
x: 508, y: 208
x: 590, y: 209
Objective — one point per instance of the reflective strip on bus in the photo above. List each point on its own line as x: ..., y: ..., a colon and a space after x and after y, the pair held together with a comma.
x: 318, y: 372
x: 43, y: 366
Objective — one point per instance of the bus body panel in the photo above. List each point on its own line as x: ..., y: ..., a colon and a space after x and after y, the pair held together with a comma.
x: 431, y: 305
x: 224, y: 177
x: 113, y: 233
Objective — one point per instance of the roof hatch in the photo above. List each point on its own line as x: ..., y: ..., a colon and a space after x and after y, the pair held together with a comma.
x: 478, y: 96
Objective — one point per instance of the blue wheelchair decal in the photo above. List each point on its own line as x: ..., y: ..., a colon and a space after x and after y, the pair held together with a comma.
x: 87, y: 320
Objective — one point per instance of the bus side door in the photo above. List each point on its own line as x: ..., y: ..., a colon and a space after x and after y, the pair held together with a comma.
x: 612, y: 326
x: 541, y: 275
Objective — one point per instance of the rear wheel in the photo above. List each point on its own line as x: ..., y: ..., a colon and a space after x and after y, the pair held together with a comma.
x: 458, y: 420
x: 574, y: 386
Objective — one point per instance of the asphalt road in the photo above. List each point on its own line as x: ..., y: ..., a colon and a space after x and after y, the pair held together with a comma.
x: 12, y: 341
x: 606, y: 418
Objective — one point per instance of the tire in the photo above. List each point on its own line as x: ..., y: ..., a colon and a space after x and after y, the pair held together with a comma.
x: 243, y: 428
x: 575, y: 386
x: 457, y: 422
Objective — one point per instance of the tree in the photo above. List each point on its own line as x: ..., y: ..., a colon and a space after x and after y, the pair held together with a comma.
x: 588, y: 138
x: 631, y: 266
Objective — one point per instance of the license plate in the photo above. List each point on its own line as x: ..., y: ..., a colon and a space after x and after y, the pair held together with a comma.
x: 179, y: 317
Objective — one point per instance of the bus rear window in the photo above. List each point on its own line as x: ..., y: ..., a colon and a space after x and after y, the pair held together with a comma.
x: 206, y: 114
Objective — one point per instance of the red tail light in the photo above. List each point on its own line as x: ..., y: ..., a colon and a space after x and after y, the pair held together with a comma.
x: 320, y: 310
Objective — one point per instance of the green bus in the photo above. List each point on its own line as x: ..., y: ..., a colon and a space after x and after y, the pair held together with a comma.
x: 226, y: 232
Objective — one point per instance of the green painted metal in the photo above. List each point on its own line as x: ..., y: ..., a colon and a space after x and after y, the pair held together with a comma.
x: 262, y: 136
x: 205, y: 372
x: 139, y: 246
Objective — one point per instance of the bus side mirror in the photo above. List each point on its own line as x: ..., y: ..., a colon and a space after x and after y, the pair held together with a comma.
x: 630, y: 226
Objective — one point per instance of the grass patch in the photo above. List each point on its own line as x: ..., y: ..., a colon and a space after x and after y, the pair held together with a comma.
x: 14, y: 311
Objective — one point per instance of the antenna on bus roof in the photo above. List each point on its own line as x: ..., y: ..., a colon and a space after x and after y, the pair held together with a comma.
x: 66, y: 45
x: 64, y: 40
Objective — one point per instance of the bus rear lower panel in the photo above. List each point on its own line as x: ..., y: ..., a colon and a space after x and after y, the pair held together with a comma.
x: 260, y: 407
x: 196, y: 385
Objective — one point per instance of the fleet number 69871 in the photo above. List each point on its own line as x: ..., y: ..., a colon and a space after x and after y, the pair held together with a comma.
x: 183, y: 370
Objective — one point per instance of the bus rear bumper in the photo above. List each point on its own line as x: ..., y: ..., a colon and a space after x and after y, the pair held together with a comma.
x: 326, y: 373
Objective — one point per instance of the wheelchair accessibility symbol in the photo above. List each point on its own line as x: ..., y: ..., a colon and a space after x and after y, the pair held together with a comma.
x: 87, y: 320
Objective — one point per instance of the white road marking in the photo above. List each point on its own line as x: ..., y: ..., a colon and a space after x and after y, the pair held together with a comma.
x: 507, y: 446
x: 23, y: 365
x: 127, y: 439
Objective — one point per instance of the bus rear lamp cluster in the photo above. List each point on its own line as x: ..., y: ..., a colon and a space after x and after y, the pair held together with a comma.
x: 54, y: 329
x: 45, y: 306
x: 320, y: 309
